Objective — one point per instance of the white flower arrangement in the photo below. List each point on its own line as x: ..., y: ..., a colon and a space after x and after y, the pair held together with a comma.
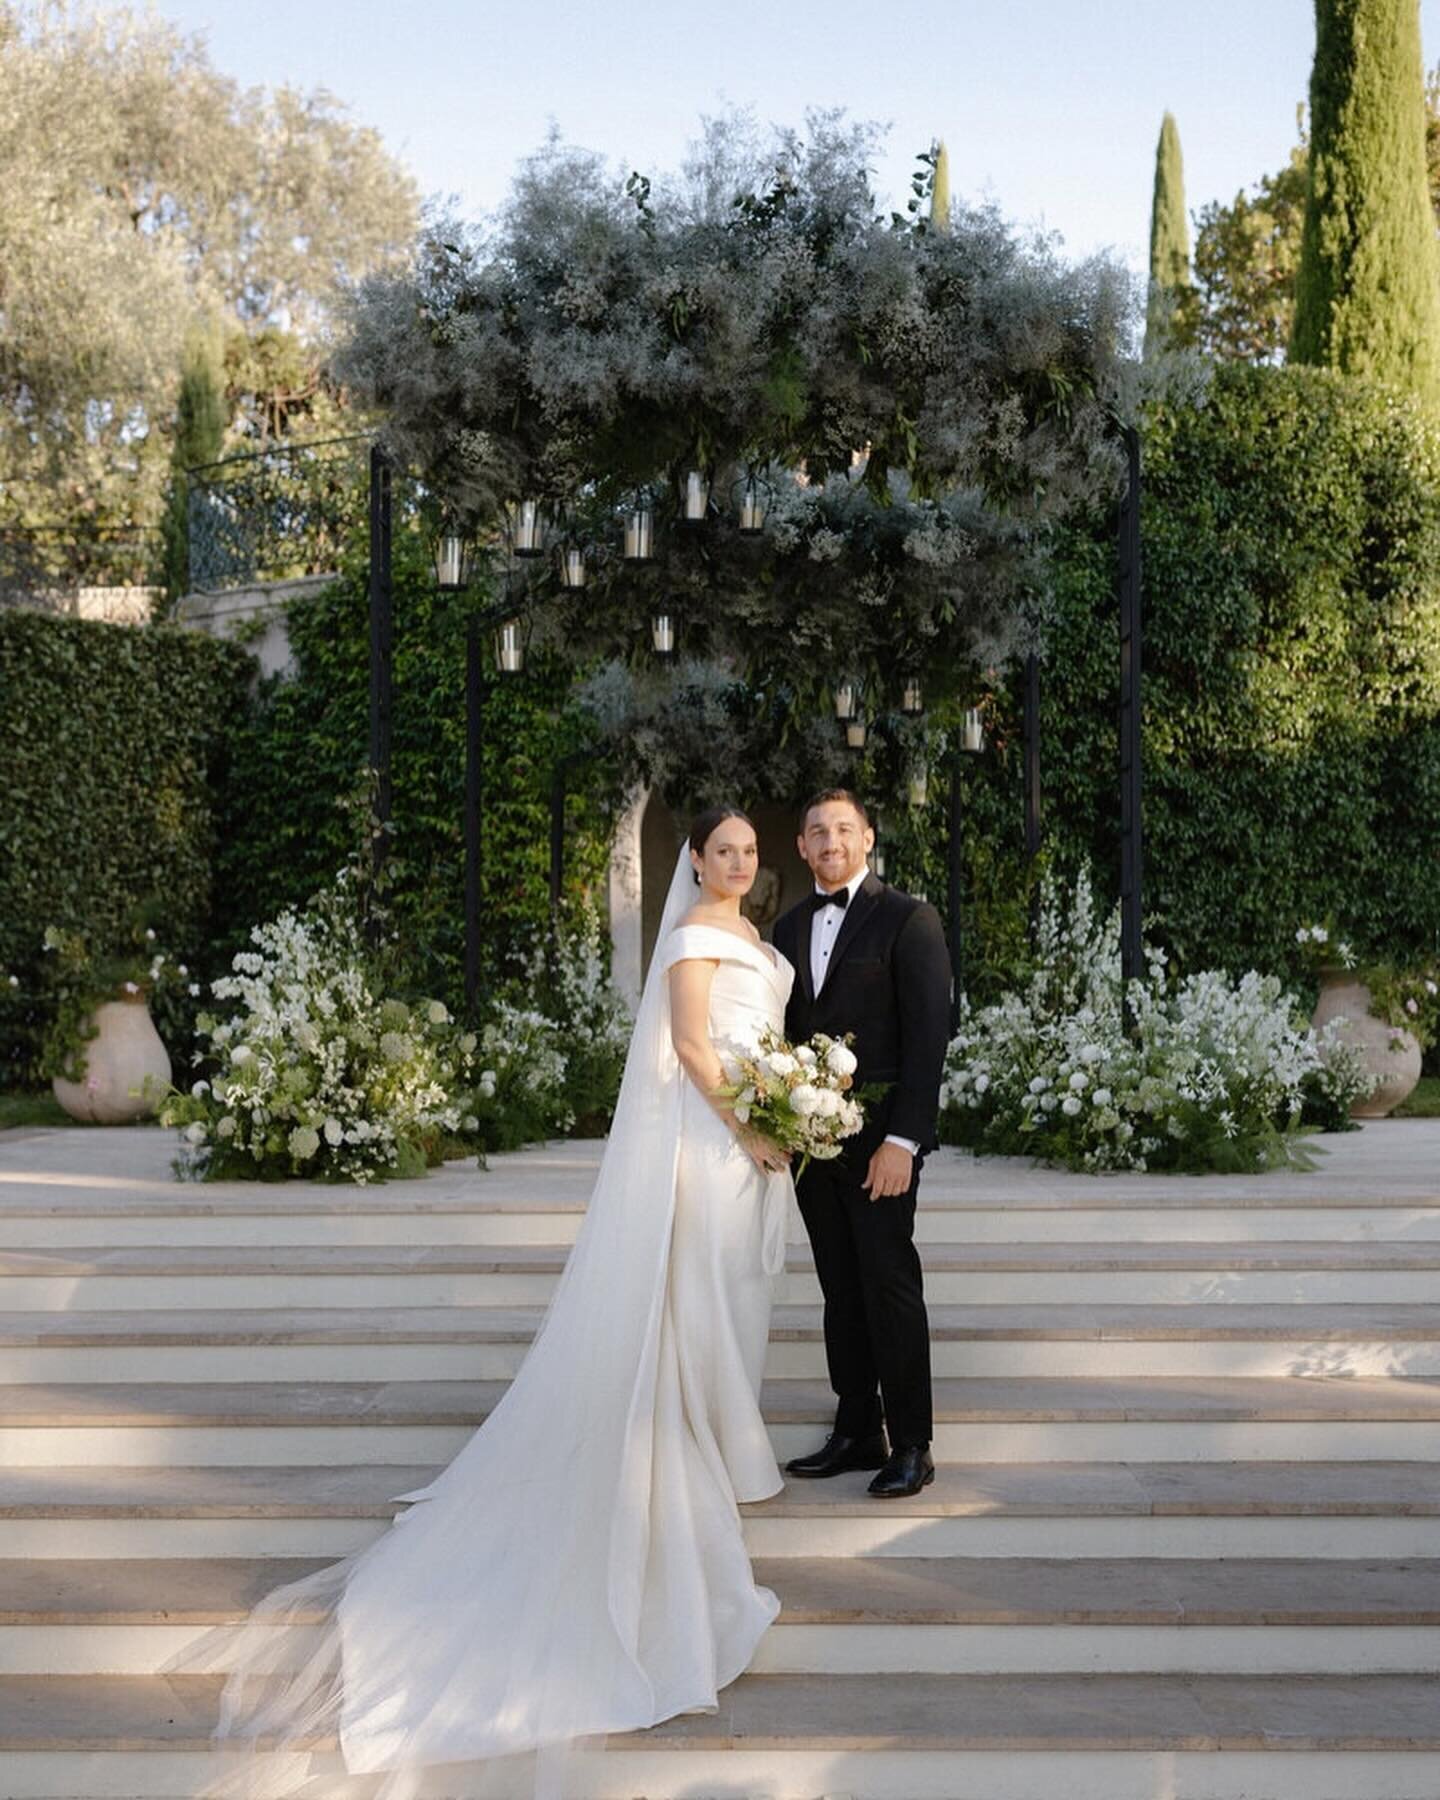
x: 798, y: 1096
x: 1215, y: 1074
x: 314, y: 1074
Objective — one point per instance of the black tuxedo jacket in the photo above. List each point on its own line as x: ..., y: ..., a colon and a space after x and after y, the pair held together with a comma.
x: 888, y: 983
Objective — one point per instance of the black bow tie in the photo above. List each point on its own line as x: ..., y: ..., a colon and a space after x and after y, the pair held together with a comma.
x: 840, y: 898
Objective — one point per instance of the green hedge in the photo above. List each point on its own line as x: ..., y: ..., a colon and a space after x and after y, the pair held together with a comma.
x: 113, y: 750
x: 302, y: 750
x: 1292, y: 685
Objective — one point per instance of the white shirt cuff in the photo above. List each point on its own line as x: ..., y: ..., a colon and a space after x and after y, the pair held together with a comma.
x: 909, y: 1144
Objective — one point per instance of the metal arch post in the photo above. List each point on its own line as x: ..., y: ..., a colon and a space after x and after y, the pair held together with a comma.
x: 381, y: 652
x: 1033, y: 802
x: 474, y: 715
x: 1132, y: 859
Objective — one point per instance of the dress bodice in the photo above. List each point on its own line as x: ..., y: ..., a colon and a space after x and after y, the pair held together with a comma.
x: 751, y: 985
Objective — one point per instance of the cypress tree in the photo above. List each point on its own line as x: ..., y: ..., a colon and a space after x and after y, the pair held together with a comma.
x: 940, y: 190
x: 1367, y: 295
x: 1169, y: 311
x: 200, y: 423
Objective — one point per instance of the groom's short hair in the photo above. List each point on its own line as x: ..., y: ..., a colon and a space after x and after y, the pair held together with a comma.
x: 844, y: 795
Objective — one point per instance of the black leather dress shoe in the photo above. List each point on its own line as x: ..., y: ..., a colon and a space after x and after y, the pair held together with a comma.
x: 909, y: 1469
x: 839, y: 1454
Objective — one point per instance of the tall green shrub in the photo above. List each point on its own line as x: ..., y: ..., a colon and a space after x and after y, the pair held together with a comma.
x: 1292, y: 687
x: 200, y: 424
x: 299, y: 757
x: 1169, y: 314
x: 113, y: 751
x: 1367, y: 296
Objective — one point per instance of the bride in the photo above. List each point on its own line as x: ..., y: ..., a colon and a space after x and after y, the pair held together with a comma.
x: 579, y: 1567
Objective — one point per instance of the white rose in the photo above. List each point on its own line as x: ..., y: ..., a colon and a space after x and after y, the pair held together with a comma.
x: 242, y: 1053
x: 1079, y: 1081
x: 1101, y: 1097
x: 487, y: 1084
x: 1091, y: 1053
x: 781, y: 1063
x: 200, y: 1089
x: 195, y: 1134
x: 841, y: 1059
x: 1070, y: 1105
x: 1038, y: 1084
x: 805, y: 1100
x: 830, y: 1104
x: 806, y: 1056
x: 334, y: 1131
x: 194, y: 990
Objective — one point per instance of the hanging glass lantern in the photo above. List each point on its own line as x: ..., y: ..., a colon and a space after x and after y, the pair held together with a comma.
x: 856, y: 733
x: 754, y: 504
x: 527, y: 528
x: 510, y: 648
x: 847, y: 700
x: 918, y: 787
x: 662, y: 634
x: 452, y: 561
x: 972, y: 732
x: 573, y: 570
x: 640, y: 531
x: 878, y: 861
x: 912, y: 699
x: 695, y: 500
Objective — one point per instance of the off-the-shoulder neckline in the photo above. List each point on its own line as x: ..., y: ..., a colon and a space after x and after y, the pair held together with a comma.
x: 767, y: 953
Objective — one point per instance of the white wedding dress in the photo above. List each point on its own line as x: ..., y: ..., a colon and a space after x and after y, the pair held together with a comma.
x: 579, y: 1567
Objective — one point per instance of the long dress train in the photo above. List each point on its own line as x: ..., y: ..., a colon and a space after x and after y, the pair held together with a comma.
x: 579, y: 1567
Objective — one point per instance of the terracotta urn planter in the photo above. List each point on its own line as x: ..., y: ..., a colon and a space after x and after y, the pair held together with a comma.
x: 127, y: 1049
x: 1391, y: 1054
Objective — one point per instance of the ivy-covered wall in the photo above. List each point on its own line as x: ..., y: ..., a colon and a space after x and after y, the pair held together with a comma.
x: 112, y: 755
x: 1292, y: 685
x: 300, y: 754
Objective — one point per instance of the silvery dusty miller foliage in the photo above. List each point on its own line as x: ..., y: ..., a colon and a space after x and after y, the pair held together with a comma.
x: 924, y: 403
x: 1216, y: 1075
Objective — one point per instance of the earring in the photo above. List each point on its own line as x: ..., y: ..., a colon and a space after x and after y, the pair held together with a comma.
x: 696, y: 874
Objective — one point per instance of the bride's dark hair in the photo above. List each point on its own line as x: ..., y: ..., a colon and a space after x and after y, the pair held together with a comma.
x: 705, y: 824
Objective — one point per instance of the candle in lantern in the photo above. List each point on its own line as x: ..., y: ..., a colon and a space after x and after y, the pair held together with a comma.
x: 662, y: 634
x: 972, y: 732
x: 510, y: 648
x: 639, y: 534
x: 697, y: 498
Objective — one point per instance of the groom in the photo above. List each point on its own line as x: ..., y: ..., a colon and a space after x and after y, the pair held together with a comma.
x: 872, y: 961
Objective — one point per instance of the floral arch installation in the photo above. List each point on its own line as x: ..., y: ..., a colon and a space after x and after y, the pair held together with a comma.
x: 904, y: 406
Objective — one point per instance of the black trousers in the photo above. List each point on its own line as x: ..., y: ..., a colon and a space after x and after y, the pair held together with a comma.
x: 877, y: 1335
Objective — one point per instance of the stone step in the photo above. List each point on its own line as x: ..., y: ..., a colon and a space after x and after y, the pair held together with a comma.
x: 95, y: 1278
x: 404, y: 1213
x: 984, y: 1419
x: 887, y: 1615
x: 870, y: 1737
x: 1341, y: 1509
x: 489, y: 1343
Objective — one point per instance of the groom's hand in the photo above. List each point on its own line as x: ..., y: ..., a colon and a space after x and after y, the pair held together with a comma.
x: 889, y: 1173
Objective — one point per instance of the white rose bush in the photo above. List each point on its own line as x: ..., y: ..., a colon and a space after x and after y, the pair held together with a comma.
x: 800, y: 1096
x: 316, y: 1075
x: 1218, y: 1073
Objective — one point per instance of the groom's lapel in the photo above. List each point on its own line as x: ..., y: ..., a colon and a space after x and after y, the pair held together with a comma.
x: 867, y: 898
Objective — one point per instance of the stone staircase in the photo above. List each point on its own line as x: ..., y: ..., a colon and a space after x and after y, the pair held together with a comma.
x: 1184, y: 1543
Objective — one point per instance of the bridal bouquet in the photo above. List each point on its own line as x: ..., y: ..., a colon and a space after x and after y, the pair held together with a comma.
x: 797, y: 1095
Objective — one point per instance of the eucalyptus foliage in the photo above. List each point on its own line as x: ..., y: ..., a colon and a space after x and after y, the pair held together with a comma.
x: 923, y: 404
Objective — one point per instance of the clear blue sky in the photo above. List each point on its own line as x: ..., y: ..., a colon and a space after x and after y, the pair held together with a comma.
x: 1051, y: 108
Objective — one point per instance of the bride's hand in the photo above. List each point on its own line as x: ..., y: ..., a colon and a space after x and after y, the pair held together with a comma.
x: 766, y: 1155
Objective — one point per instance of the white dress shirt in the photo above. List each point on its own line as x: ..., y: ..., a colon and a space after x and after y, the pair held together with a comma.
x: 824, y: 929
